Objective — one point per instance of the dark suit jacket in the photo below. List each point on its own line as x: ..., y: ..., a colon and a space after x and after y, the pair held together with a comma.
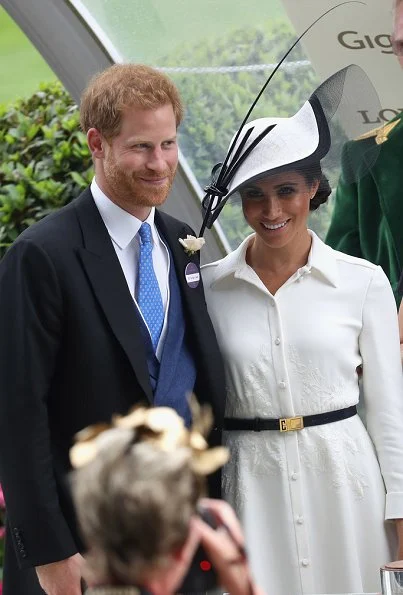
x: 367, y: 219
x: 71, y: 355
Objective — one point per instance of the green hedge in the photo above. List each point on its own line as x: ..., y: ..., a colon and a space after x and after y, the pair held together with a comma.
x: 44, y: 159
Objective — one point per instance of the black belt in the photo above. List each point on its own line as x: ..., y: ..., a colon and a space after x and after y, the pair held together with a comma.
x: 287, y: 424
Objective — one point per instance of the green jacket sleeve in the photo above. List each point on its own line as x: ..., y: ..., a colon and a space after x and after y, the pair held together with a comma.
x: 343, y: 233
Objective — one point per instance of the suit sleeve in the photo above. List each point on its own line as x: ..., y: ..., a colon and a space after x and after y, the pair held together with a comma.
x: 344, y: 231
x: 383, y: 387
x: 31, y: 326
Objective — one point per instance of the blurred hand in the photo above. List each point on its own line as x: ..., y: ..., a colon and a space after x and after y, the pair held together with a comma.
x: 61, y: 578
x: 225, y: 547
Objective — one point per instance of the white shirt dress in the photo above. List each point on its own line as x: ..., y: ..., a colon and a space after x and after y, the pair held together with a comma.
x: 314, y: 503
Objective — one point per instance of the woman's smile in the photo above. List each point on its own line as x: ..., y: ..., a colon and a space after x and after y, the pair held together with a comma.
x: 275, y: 226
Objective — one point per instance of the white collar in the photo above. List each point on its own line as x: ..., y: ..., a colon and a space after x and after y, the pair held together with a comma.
x: 121, y: 225
x: 321, y: 259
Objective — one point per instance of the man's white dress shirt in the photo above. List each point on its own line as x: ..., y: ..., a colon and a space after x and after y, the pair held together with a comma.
x: 123, y: 230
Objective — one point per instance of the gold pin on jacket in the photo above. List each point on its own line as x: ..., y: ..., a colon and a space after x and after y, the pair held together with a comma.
x: 381, y: 133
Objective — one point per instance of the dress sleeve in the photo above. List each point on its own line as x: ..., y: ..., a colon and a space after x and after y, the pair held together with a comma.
x: 383, y: 386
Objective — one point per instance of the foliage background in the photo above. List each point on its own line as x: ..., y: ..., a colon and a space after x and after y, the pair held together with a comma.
x: 217, y: 104
x: 44, y: 159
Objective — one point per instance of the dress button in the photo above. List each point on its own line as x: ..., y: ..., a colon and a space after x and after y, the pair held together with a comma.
x: 282, y: 384
x: 305, y: 562
x: 294, y: 476
x: 277, y: 341
x: 300, y: 520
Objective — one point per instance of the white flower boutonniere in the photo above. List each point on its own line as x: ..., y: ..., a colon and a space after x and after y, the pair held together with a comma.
x: 192, y: 244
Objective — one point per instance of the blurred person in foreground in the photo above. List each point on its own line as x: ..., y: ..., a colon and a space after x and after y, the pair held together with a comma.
x: 137, y: 492
x: 97, y: 314
x: 367, y: 219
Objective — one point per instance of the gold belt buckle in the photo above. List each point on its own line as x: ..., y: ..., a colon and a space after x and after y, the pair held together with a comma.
x: 289, y: 424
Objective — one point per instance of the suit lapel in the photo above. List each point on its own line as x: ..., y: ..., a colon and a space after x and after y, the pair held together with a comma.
x: 109, y: 284
x: 172, y: 229
x: 199, y: 328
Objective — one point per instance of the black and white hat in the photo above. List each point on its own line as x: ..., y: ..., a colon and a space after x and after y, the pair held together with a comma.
x: 316, y: 133
x: 283, y: 141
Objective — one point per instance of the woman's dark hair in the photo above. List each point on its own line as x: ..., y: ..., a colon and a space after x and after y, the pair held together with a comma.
x: 312, y: 173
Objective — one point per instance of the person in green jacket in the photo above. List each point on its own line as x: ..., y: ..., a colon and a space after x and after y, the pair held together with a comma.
x: 367, y: 219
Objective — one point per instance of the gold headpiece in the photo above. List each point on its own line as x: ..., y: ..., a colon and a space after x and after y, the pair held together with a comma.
x: 161, y: 427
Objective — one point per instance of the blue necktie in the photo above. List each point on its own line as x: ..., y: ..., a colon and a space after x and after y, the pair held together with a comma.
x: 148, y: 294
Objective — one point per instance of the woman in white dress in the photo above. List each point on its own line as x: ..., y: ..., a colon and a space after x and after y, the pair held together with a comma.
x: 317, y: 491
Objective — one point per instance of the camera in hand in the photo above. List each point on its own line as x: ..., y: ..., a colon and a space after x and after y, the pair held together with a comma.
x: 201, y: 576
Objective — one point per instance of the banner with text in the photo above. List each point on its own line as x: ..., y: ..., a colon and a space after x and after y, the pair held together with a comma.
x: 354, y: 33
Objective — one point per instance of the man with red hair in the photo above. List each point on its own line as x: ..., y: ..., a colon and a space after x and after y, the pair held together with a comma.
x: 101, y: 307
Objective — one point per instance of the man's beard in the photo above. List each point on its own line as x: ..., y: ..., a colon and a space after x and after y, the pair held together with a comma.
x: 128, y: 187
